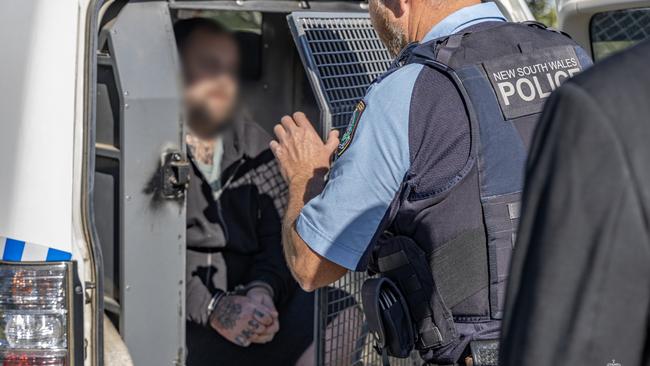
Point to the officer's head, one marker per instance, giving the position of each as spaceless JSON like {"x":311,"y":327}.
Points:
{"x":399,"y":22}
{"x":210,"y":58}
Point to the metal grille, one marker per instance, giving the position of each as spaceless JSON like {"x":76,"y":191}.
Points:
{"x":614,"y":31}
{"x":341,"y":329}
{"x":342,"y":56}
{"x":624,"y":25}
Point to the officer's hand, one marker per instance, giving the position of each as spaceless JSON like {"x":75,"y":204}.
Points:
{"x":300,"y":150}
{"x":261,"y":295}
{"x":239,"y":319}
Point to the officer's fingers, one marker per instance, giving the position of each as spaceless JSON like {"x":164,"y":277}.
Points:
{"x":302,"y":120}
{"x":262,"y":316}
{"x":288,"y":123}
{"x":280,"y":133}
{"x":332,"y":141}
{"x":276,"y":149}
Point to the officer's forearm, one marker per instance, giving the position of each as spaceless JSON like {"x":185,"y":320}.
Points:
{"x":308,"y":268}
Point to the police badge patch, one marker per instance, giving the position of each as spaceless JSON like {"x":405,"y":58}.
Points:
{"x":347,"y":137}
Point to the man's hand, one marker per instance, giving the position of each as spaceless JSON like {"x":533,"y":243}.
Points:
{"x":261,"y":295}
{"x":240,"y":320}
{"x":304,"y":161}
{"x":300,"y":151}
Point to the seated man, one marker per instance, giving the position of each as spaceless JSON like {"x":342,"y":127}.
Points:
{"x":243,"y":306}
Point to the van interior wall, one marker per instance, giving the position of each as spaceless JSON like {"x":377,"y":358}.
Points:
{"x":282,"y":87}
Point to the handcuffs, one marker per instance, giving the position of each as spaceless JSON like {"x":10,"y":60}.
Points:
{"x":240,"y":290}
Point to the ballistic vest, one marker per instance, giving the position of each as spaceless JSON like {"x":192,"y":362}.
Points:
{"x":448,"y":251}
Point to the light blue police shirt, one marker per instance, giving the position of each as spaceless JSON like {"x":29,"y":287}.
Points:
{"x":340,"y":223}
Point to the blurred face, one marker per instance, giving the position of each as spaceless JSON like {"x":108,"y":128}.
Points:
{"x":211,"y":67}
{"x":387,"y":19}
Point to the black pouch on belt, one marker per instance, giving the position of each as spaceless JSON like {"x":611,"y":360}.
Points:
{"x":388,"y":318}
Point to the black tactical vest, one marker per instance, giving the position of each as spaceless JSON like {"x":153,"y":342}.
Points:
{"x":449,"y":251}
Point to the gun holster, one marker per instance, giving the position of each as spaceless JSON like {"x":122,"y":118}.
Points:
{"x":388,"y":318}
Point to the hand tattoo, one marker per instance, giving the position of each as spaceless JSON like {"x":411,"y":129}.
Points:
{"x":254,"y":324}
{"x":240,"y":340}
{"x":227,"y":313}
{"x":247,"y":333}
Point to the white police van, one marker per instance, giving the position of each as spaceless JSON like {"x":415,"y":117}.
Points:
{"x":92,"y":220}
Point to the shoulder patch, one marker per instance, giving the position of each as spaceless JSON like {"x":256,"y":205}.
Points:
{"x":346,"y":140}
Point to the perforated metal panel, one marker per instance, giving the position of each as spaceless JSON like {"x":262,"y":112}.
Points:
{"x":342,"y":56}
{"x":341,"y":329}
{"x":614,"y":31}
{"x":622,"y":25}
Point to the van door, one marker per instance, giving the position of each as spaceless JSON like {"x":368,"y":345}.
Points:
{"x":605,"y":26}
{"x":139,"y":181}
{"x":342,"y":55}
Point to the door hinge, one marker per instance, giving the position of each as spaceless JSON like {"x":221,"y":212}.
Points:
{"x":175,"y":175}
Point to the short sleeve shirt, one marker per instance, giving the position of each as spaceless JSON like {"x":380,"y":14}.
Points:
{"x":340,"y":223}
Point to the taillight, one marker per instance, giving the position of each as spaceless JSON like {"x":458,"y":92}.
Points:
{"x":35,"y":314}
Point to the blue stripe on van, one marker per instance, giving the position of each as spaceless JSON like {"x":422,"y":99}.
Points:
{"x":13,"y":250}
{"x":55,"y":255}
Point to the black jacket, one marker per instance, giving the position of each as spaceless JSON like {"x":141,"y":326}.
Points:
{"x":243,"y":227}
{"x":579,"y":290}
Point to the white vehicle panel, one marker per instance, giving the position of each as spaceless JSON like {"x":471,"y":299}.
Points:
{"x":38,"y":39}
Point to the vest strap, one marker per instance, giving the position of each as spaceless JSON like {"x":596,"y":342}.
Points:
{"x":393,"y":261}
{"x":429,"y":334}
{"x":448,"y":50}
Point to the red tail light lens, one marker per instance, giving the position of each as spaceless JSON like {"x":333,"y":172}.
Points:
{"x":30,"y":358}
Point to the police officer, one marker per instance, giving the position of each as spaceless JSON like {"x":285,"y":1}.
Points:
{"x":426,"y":186}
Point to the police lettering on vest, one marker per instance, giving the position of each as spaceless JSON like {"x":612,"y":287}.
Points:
{"x":523,"y":82}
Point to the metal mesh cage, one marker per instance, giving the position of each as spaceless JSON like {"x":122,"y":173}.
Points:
{"x":341,"y":329}
{"x":622,"y":25}
{"x":342,"y":56}
{"x":615,"y":31}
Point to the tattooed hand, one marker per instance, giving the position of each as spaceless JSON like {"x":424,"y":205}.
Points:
{"x":240,"y":320}
{"x":261,"y":295}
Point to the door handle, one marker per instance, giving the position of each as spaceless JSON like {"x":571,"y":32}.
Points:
{"x":175,"y":175}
